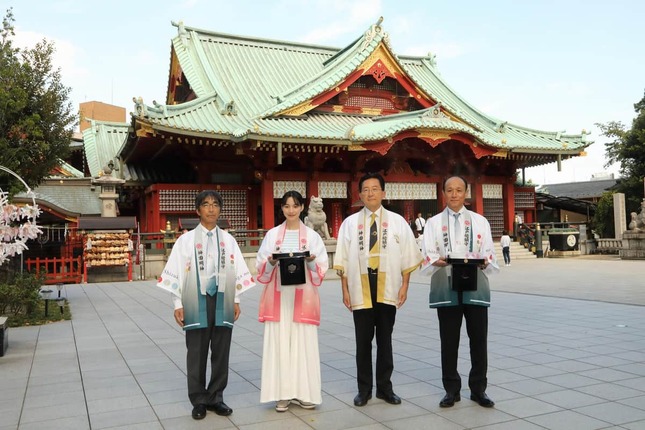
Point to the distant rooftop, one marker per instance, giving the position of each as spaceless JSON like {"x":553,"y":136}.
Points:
{"x":578,"y":190}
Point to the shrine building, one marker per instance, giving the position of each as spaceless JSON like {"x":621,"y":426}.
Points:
{"x":254,"y":118}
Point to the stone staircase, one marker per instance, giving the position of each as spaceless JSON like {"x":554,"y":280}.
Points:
{"x":518,"y":252}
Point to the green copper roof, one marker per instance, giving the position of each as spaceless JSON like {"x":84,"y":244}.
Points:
{"x":68,"y":171}
{"x":102,"y":141}
{"x":243,"y":84}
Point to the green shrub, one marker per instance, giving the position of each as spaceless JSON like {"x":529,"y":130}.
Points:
{"x":20,"y":295}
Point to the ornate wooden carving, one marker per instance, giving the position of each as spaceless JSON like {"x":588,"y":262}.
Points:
{"x":379,"y":71}
{"x":381,"y":146}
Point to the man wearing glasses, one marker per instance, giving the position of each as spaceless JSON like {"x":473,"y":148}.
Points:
{"x":205,"y":274}
{"x":375,"y":254}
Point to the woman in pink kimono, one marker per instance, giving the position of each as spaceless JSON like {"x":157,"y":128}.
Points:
{"x":291,"y":313}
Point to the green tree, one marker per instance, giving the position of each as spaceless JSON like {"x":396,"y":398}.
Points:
{"x":603,"y":220}
{"x":627,"y":147}
{"x":36,"y":116}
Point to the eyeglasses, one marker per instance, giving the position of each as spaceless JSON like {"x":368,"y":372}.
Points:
{"x":371,"y":190}
{"x":209,"y":205}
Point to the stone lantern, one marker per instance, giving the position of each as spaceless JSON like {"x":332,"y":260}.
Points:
{"x":108,"y":194}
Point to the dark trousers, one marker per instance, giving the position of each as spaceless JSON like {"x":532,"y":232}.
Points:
{"x":450,"y":318}
{"x":506,"y":252}
{"x":198,"y":342}
{"x":380,"y":320}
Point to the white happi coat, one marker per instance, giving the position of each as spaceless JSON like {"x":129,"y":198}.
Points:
{"x":435,"y":246}
{"x":181,"y":276}
{"x":398,"y":254}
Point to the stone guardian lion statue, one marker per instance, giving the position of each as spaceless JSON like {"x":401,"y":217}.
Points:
{"x":638,"y":220}
{"x":316,"y":218}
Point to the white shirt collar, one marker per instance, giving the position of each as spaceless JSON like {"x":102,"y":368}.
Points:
{"x":461,"y":211}
{"x":369,"y":213}
{"x":205,"y":230}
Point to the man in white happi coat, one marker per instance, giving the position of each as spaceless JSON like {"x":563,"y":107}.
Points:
{"x":375,"y":254}
{"x":206,"y":273}
{"x":460,"y":233}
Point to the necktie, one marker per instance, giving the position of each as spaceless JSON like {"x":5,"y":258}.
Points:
{"x":211,"y":286}
{"x":458,"y":238}
{"x":373,"y":261}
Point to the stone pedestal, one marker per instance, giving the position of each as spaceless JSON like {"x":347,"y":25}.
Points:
{"x":563,"y":254}
{"x":633,"y":245}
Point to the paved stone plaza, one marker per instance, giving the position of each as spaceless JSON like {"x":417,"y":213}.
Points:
{"x":566,"y":351}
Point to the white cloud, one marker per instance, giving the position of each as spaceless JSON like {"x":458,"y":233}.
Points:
{"x":67,"y":56}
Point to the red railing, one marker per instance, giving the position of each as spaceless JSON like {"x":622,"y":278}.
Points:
{"x":57,"y":270}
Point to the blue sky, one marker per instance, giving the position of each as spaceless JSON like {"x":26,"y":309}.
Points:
{"x":548,"y":65}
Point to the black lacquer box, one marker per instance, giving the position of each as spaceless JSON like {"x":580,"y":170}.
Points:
{"x":464,"y":273}
{"x":292,"y":267}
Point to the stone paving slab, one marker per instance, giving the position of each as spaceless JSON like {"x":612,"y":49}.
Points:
{"x":566,"y":351}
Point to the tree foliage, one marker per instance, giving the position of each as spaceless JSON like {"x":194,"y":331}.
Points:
{"x":36,"y":116}
{"x":627,"y":147}
{"x":603,"y":220}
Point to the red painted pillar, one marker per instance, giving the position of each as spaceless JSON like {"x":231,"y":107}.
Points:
{"x":336,"y":217}
{"x":441,"y":201}
{"x":312,"y":189}
{"x":477,"y":198}
{"x":354,"y":196}
{"x":268,"y":221}
{"x":408,"y":210}
{"x":509,"y":205}
{"x":154,"y":222}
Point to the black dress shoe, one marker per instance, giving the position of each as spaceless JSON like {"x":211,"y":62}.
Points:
{"x":199,"y":412}
{"x":391,"y":398}
{"x":482,"y":399}
{"x":220,"y":408}
{"x":362,"y":398}
{"x":449,"y":400}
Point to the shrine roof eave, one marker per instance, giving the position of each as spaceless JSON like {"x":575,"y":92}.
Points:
{"x":387,"y":127}
{"x":423,"y":72}
{"x":571,"y":152}
{"x":166,"y":130}
{"x":363,"y":133}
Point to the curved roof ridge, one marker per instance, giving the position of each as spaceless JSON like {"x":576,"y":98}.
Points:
{"x":334,"y":72}
{"x":403,"y":115}
{"x":164,"y":110}
{"x":446,"y":104}
{"x":277,"y":42}
{"x":382,"y":130}
{"x":492,"y":121}
{"x":561,"y":133}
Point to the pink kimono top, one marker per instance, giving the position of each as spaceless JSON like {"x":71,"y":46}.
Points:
{"x":307,"y":301}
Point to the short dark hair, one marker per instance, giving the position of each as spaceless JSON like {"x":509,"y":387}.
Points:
{"x":367,"y":176}
{"x":295,"y":195}
{"x":443,"y":185}
{"x":199,"y":198}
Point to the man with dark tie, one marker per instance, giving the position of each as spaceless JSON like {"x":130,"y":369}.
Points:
{"x":375,"y":254}
{"x":459,"y":233}
{"x":205,"y":274}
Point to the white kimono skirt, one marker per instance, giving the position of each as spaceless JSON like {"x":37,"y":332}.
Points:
{"x":290,"y":357}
